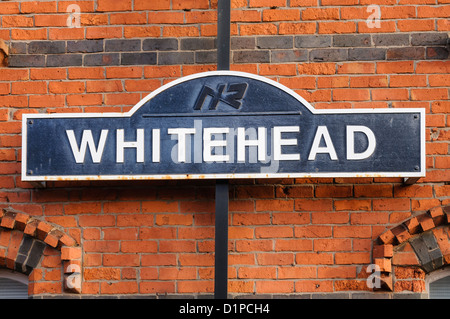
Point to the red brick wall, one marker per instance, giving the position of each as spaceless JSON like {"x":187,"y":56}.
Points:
{"x":287,"y":236}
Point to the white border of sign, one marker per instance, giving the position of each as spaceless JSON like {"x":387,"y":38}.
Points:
{"x":26,"y":117}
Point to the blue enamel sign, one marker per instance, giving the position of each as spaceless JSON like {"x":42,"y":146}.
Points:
{"x":223,"y":124}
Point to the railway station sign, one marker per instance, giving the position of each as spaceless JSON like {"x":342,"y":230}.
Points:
{"x":223,"y":125}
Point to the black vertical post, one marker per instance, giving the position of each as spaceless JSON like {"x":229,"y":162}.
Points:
{"x":223,"y":34}
{"x":221,"y":219}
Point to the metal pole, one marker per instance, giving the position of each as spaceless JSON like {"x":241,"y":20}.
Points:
{"x":221,"y":241}
{"x":223,"y":34}
{"x":221,"y":219}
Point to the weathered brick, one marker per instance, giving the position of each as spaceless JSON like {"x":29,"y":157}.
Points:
{"x":427,"y":251}
{"x":280,"y":56}
{"x":47,"y":47}
{"x":427,"y":39}
{"x":352,"y":40}
{"x":385,"y":251}
{"x":395,"y":40}
{"x":274,"y":42}
{"x":157,"y":44}
{"x":205,"y":57}
{"x":312,"y":41}
{"x":328,"y":55}
{"x":261,"y":56}
{"x":242,"y":43}
{"x":193,"y":44}
{"x":407,"y":53}
{"x":64,"y":60}
{"x":30,"y":60}
{"x":98,"y":59}
{"x":121,"y":45}
{"x":85,"y":46}
{"x":18,"y":48}
{"x":366,"y":54}
{"x":174,"y":58}
{"x":437,"y":53}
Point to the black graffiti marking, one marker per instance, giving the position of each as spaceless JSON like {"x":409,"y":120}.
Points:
{"x":233,"y":96}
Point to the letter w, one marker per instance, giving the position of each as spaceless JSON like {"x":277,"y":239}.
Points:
{"x":87,"y":140}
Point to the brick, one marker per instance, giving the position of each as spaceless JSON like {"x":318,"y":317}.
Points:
{"x":406,"y":80}
{"x":267,"y":3}
{"x":437,"y":53}
{"x":426,"y":222}
{"x":429,"y":94}
{"x":9,"y":8}
{"x":352,"y":232}
{"x":50,"y":20}
{"x":160,"y":44}
{"x":38,"y":7}
{"x":415,"y":25}
{"x":180,"y":31}
{"x":102,"y":59}
{"x":366,"y":54}
{"x":261,"y":56}
{"x":385,"y":27}
{"x":438,"y":216}
{"x":122,"y":45}
{"x":190,"y":4}
{"x":48,"y":74}
{"x":193,"y":44}
{"x":85,"y":46}
{"x":356,"y":68}
{"x":395,"y":67}
{"x":47,"y":47}
{"x":65,"y":33}
{"x":351,"y":95}
{"x":281,"y":15}
{"x":64,"y":60}
{"x":205,"y":57}
{"x":241,"y":16}
{"x":369,"y":81}
{"x":336,"y":27}
{"x":383,"y":251}
{"x":242,"y":43}
{"x":390,"y":94}
{"x":433,"y":67}
{"x":86,"y":73}
{"x":328,"y":55}
{"x":153,"y":5}
{"x":312,"y":41}
{"x":29,"y":88}
{"x":174,"y":58}
{"x":103,"y":32}
{"x":426,"y":39}
{"x":111,"y":5}
{"x":16,"y":21}
{"x":274,"y":205}
{"x":388,"y":40}
{"x":274,"y":42}
{"x":408,"y":53}
{"x":141,"y":32}
{"x":66,"y":87}
{"x":354,"y":40}
{"x":283,"y":56}
{"x":295,"y":28}
{"x":31,"y":60}
{"x":352,"y":258}
{"x":384,"y":264}
{"x":128,"y":18}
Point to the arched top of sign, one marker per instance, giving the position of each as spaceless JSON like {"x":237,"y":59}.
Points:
{"x":222,"y":93}
{"x":223,"y":124}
